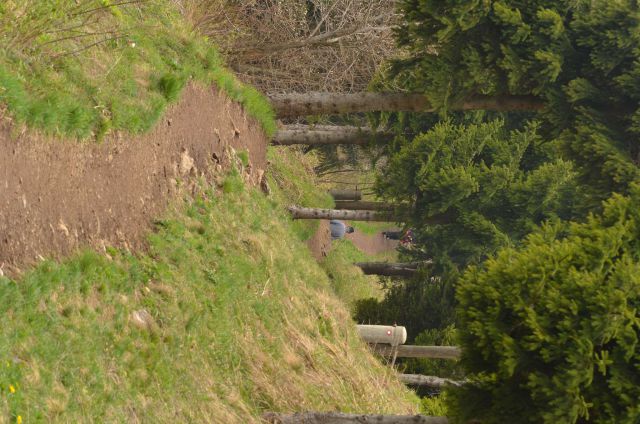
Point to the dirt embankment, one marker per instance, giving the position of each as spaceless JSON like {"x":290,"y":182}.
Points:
{"x":59,"y":195}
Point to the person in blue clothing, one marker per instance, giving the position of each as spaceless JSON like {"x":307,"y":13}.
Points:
{"x":339,"y":229}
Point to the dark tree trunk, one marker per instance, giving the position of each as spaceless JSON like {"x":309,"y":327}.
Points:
{"x":296,"y":104}
{"x":346,"y":194}
{"x":361,"y":205}
{"x":430,"y":352}
{"x":340,"y":418}
{"x":391,"y":269}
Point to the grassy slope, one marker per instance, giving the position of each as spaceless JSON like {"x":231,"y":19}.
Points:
{"x":243,"y":321}
{"x":83,"y":68}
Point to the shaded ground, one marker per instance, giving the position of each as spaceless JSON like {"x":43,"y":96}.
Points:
{"x":374,"y":244}
{"x":59,"y":195}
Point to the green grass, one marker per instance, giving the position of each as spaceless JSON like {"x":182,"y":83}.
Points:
{"x":293,"y":180}
{"x":348,"y":281}
{"x":242,"y":320}
{"x":59,"y":75}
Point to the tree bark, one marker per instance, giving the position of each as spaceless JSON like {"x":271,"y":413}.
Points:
{"x":340,"y":418}
{"x":296,"y":104}
{"x":431,"y":352}
{"x":298,"y":212}
{"x":323,"y":135}
{"x":346,"y":194}
{"x":427,"y":381}
{"x":390,"y":269}
{"x":361,"y":205}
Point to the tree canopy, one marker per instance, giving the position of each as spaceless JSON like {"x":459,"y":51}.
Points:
{"x":582,"y":57}
{"x":486,"y":187}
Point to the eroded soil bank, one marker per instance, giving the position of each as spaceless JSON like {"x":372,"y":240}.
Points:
{"x":59,"y":195}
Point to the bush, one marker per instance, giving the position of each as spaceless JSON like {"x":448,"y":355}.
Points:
{"x":550,"y":331}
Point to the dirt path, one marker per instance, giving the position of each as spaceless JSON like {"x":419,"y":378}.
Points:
{"x":372,"y":244}
{"x":320,"y":243}
{"x":59,"y":195}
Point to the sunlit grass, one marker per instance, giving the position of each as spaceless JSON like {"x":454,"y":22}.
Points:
{"x":226,"y":316}
{"x":82,"y":69}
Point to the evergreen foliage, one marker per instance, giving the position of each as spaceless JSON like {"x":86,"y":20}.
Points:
{"x":489,"y":187}
{"x":550,"y":332}
{"x":582,"y":57}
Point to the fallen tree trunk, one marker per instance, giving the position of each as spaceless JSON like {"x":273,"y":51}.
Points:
{"x":346,"y":194}
{"x":304,"y":104}
{"x":359,"y":205}
{"x":340,"y":418}
{"x":390,"y":269}
{"x":322,"y":135}
{"x":298,"y":212}
{"x":408,"y":351}
{"x":427,"y":381}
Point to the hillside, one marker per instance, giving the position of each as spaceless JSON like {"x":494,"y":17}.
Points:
{"x":226,"y":316}
{"x":143,"y":275}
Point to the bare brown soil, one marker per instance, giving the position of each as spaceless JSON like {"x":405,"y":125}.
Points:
{"x":60,"y":195}
{"x":372,"y":244}
{"x":320,"y":242}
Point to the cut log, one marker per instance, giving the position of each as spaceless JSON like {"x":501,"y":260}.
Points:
{"x":393,"y":335}
{"x":346,"y":194}
{"x":298,"y":212}
{"x":362,"y":205}
{"x":391,"y":269}
{"x":427,"y":381}
{"x":304,"y":104}
{"x":340,"y":418}
{"x":321,"y":135}
{"x":431,"y":352}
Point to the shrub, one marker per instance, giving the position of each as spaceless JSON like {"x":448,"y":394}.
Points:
{"x":550,"y":331}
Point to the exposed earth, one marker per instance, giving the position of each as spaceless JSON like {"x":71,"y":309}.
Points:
{"x":59,"y":195}
{"x":320,"y":243}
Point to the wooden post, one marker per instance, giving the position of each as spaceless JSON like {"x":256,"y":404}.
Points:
{"x":340,"y":418}
{"x":431,"y":352}
{"x":346,"y":194}
{"x":389,"y":334}
{"x":361,"y":205}
{"x":298,"y":212}
{"x":391,"y":269}
{"x":427,"y":381}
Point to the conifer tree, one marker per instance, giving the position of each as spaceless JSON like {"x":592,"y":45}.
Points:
{"x":494,"y":185}
{"x":550,"y":332}
{"x":581,"y":57}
